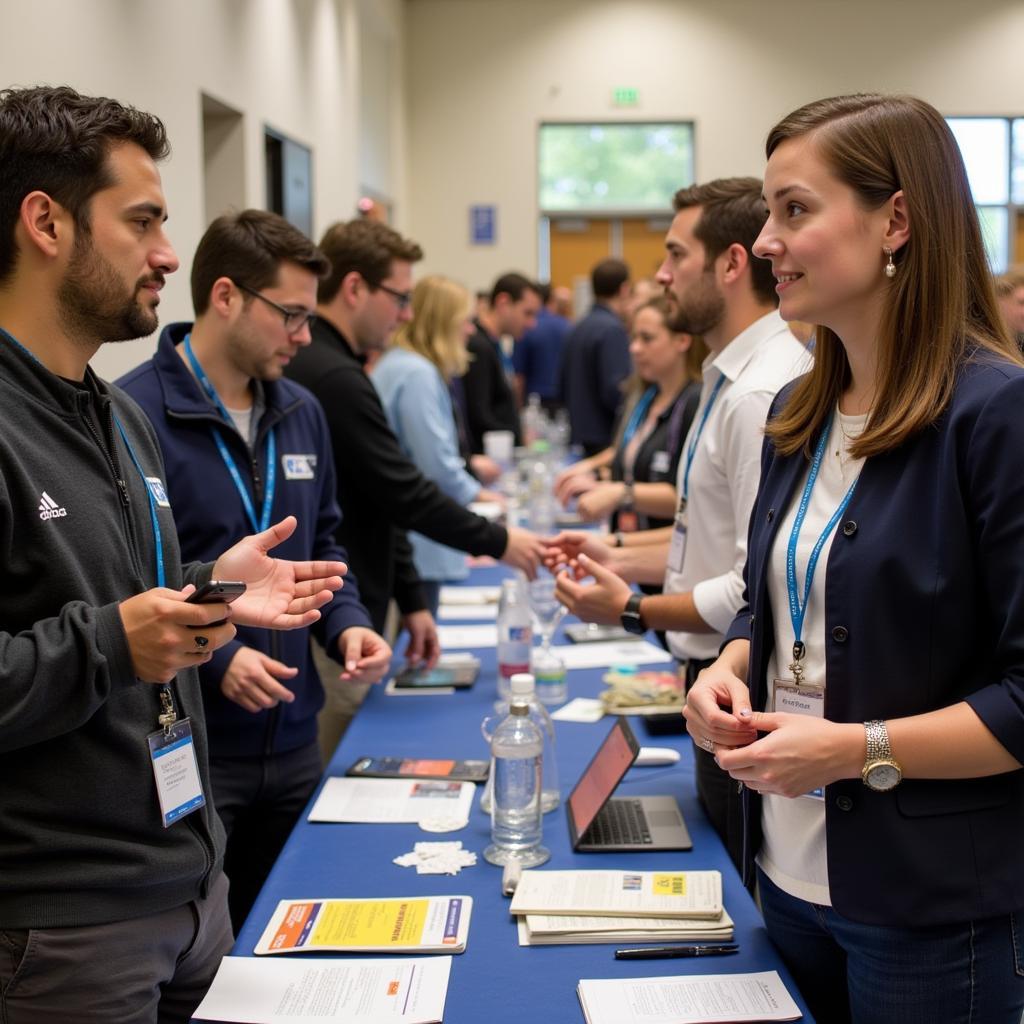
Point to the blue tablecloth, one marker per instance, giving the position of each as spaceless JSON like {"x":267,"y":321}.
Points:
{"x":496,"y":981}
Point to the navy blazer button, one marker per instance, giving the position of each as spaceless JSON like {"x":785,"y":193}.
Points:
{"x":844,"y":803}
{"x":840,"y":634}
{"x":849,"y":528}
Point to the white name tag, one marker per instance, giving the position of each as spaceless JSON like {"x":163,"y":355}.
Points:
{"x":660,"y":462}
{"x":178,"y":787}
{"x":299,"y":467}
{"x":677,"y":546}
{"x":806,"y":700}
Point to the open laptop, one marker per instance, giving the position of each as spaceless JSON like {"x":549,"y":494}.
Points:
{"x":598,"y":821}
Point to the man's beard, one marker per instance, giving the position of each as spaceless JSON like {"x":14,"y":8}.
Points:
{"x":699,"y":311}
{"x":93,"y":302}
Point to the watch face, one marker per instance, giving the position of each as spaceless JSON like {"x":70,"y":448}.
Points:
{"x":883,"y":776}
{"x":631,"y":622}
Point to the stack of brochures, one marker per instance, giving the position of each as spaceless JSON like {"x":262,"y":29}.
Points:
{"x":569,"y":907}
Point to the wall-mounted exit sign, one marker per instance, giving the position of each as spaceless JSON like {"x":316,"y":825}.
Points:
{"x":625,"y":96}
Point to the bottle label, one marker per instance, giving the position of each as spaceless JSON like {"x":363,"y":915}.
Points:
{"x":509,"y":669}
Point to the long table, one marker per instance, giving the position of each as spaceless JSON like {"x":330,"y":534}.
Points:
{"x":497,"y":981}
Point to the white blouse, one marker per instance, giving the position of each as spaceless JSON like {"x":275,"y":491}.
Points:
{"x":793,"y":853}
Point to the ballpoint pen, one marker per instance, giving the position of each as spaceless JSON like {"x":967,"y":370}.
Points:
{"x":667,"y":952}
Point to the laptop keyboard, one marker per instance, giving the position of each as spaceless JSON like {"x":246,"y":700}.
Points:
{"x":620,"y":822}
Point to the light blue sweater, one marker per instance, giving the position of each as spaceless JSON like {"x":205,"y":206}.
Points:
{"x":419,"y":409}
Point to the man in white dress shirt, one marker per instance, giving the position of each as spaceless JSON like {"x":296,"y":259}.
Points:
{"x":720,"y":291}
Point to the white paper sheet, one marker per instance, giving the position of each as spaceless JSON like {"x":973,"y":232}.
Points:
{"x":481,"y":612}
{"x":467,"y":637}
{"x":580,"y":709}
{"x":470,"y":595}
{"x":693,"y":999}
{"x":606,"y":653}
{"x":315,"y":991}
{"x":392,"y":800}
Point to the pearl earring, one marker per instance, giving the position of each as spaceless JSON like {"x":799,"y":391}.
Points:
{"x":890,"y":267}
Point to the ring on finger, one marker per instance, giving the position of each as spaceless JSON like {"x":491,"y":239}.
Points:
{"x":708,"y":744}
{"x":200,"y":640}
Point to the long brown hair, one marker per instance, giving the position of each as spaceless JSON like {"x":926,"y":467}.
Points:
{"x":940,"y":305}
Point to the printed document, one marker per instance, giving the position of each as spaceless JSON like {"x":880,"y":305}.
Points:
{"x":620,"y":893}
{"x":605,"y":653}
{"x":470,"y":595}
{"x":693,"y":999}
{"x":545,"y":930}
{"x":466,"y":637}
{"x":250,"y":991}
{"x":403,"y":924}
{"x":392,"y":800}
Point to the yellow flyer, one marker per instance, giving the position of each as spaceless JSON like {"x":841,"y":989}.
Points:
{"x":415,"y":924}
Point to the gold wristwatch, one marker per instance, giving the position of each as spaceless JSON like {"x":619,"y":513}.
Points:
{"x":881,"y":772}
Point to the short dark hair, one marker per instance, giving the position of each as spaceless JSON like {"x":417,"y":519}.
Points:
{"x":544,"y":291}
{"x":365,"y":246}
{"x":249,"y":247}
{"x":55,"y":140}
{"x":732,"y":213}
{"x":513,"y":285}
{"x":608,"y":277}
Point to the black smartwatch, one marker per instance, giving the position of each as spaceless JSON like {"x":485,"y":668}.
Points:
{"x":631,"y":619}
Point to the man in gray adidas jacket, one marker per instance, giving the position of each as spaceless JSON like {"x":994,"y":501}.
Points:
{"x":112,"y":898}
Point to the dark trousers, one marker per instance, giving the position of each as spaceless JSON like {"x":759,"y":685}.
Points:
{"x":259,"y":800}
{"x":719,"y":794}
{"x":853,"y":973}
{"x":149,"y":970}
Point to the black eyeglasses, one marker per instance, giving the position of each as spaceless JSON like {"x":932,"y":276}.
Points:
{"x":294,"y":319}
{"x":402,"y":299}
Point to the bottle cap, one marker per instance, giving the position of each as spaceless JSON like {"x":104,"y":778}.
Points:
{"x":522,"y":684}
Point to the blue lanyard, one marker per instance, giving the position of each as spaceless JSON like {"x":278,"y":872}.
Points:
{"x":638,"y":415}
{"x":691,"y":449}
{"x":270,"y":473}
{"x":161,"y":575}
{"x":796,"y":609}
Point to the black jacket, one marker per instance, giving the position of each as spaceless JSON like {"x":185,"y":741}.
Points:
{"x":81,"y":836}
{"x":490,"y":404}
{"x":380,"y":491}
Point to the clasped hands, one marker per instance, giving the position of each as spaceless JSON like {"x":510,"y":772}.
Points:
{"x":769,"y":752}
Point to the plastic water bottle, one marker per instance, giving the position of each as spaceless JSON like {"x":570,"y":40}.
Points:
{"x":550,"y":791}
{"x":515,"y":635}
{"x":550,"y":677}
{"x":516,"y":763}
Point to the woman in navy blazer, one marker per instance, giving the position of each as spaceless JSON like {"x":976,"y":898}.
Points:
{"x":885,"y":804}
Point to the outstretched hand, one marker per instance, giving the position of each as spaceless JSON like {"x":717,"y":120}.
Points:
{"x":280,"y":594}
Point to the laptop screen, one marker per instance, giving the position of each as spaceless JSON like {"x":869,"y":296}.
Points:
{"x":602,"y":775}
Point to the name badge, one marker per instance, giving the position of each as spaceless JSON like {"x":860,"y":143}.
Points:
{"x":677,"y":546}
{"x":807,"y":699}
{"x":660,"y":462}
{"x":176,"y":771}
{"x":299,"y":467}
{"x":159,"y":492}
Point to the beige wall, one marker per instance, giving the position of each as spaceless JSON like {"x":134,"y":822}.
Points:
{"x":291,"y":64}
{"x":481,"y":74}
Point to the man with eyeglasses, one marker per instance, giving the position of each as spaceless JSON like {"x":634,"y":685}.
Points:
{"x":381,"y":492}
{"x":241,"y":445}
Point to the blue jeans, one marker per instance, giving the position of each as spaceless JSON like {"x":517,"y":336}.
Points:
{"x":971,"y":973}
